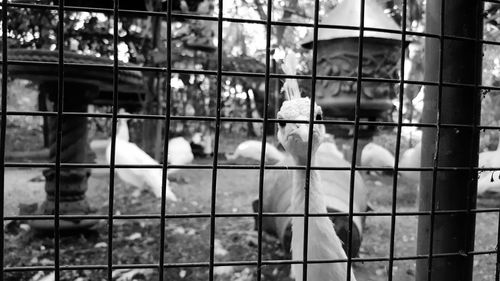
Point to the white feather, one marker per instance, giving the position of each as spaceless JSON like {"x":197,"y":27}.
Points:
{"x":323,"y":242}
{"x":122,"y":127}
{"x":486,"y":158}
{"x":329,"y":145}
{"x":127,"y":153}
{"x":252,"y":149}
{"x":376,"y":156}
{"x":488,"y":181}
{"x":290,"y":87}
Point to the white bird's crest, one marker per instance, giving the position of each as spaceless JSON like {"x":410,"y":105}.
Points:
{"x":289,"y":66}
{"x":294,"y":105}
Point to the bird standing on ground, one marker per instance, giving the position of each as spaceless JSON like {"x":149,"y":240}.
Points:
{"x":488,"y":181}
{"x":323,"y":243}
{"x":179,"y":152}
{"x":127,"y":153}
{"x":376,"y":156}
{"x":252,"y":149}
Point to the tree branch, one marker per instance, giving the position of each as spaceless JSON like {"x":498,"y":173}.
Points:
{"x":259,"y":7}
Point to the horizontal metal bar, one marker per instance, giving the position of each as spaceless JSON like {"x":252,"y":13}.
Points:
{"x":359,"y":78}
{"x":239,"y":263}
{"x":252,"y":215}
{"x":257,"y":75}
{"x":241,"y":119}
{"x":243,"y":167}
{"x":194,"y":16}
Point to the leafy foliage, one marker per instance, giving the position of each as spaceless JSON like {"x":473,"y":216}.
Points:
{"x":142,"y":41}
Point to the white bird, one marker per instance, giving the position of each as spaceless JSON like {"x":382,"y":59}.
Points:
{"x":127,"y":153}
{"x":323,"y":242}
{"x":376,"y":156}
{"x":489,"y":181}
{"x":411,"y":159}
{"x":252,"y":149}
{"x":179,"y":152}
{"x":122,"y":129}
{"x":490,"y":158}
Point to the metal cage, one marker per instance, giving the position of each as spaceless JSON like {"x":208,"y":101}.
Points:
{"x":460,"y":259}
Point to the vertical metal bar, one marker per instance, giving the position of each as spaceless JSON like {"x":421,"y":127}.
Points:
{"x":3,"y":127}
{"x":435,"y":163}
{"x":59,"y":135}
{"x":398,"y":142}
{"x":165,"y":143}
{"x":497,"y":267}
{"x":111,"y":194}
{"x":309,"y":137}
{"x":216,"y":141}
{"x":359,"y":84}
{"x":453,"y":233}
{"x":264,"y":137}
{"x":471,"y":189}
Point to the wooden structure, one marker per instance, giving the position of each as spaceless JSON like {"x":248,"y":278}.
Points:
{"x":338,"y":56}
{"x":89,"y":83}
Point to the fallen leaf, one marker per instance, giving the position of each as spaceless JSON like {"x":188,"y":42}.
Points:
{"x":136,"y":193}
{"x":179,"y":230}
{"x":218,"y":249}
{"x":101,"y":245}
{"x":46,"y":262}
{"x":25,"y":227}
{"x":275,"y":272}
{"x":134,"y":236}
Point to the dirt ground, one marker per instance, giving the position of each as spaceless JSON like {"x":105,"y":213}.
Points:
{"x":187,"y":239}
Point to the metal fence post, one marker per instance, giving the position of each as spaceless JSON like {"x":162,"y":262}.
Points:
{"x":454,"y":106}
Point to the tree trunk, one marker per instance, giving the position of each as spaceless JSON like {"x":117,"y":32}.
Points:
{"x":280,"y":29}
{"x":150,"y":127}
{"x":251,"y":129}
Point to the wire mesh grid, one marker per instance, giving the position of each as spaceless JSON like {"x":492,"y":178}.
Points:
{"x":215,"y":166}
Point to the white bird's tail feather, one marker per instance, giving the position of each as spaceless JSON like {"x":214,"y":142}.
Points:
{"x":154,"y":181}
